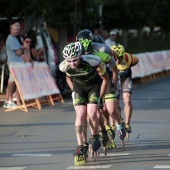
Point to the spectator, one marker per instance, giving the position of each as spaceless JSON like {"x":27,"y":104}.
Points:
{"x":26,"y":56}
{"x":3,"y":57}
{"x":36,"y":54}
{"x":112,"y":38}
{"x":14,"y":52}
{"x":104,"y":34}
{"x":3,"y":60}
{"x":20,"y":36}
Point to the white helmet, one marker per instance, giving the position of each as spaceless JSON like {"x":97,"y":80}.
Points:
{"x":72,"y":50}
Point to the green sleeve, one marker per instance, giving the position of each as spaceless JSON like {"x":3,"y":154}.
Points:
{"x":105,"y":58}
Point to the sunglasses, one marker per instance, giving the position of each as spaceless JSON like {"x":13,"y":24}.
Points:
{"x":72,"y":61}
{"x":28,"y":42}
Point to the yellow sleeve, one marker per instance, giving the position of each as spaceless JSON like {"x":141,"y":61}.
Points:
{"x":101,"y":70}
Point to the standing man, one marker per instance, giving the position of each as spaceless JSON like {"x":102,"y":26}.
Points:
{"x":83,"y":75}
{"x":14,"y":52}
{"x":112,"y":38}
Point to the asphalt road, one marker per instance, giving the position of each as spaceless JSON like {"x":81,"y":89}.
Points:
{"x":45,"y":139}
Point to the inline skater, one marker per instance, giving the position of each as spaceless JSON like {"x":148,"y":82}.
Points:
{"x":83,"y":75}
{"x":98,"y":45}
{"x":110,"y":97}
{"x":124,"y":62}
{"x":84,"y":34}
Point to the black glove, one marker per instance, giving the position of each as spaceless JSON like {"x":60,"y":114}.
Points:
{"x":100,"y":103}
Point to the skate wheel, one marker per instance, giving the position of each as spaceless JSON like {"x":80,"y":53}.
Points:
{"x":123,"y":145}
{"x":76,"y":161}
{"x":79,"y":160}
{"x":113,"y":145}
{"x":105,"y":150}
{"x":95,"y":154}
{"x":91,"y":153}
{"x":127,"y":136}
{"x":98,"y":154}
{"x":86,"y":157}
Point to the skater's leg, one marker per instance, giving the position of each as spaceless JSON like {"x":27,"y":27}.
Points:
{"x":80,"y":123}
{"x":94,"y":123}
{"x":85,"y":131}
{"x":127,"y":110}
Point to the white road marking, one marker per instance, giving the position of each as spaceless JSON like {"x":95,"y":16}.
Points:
{"x":168,"y":154}
{"x":162,"y":166}
{"x":114,"y":154}
{"x":90,"y":167}
{"x":12,"y":168}
{"x":32,"y":155}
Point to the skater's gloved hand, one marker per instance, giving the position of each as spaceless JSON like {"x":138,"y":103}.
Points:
{"x":100,"y":103}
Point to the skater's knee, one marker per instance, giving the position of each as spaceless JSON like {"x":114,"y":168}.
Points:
{"x":119,"y":108}
{"x":93,"y":117}
{"x":80,"y":129}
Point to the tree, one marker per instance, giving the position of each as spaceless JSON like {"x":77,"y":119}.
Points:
{"x":70,"y":16}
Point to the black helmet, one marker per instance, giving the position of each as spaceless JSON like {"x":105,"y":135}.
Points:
{"x":84,"y":34}
{"x":98,"y":39}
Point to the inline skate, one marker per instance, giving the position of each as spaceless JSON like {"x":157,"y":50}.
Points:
{"x":94,"y":145}
{"x":128,"y":130}
{"x":104,"y":140}
{"x":80,"y":156}
{"x":121,"y":134}
{"x":111,"y":134}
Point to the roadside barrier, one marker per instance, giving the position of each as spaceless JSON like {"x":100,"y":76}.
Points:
{"x":151,"y":65}
{"x":34,"y":83}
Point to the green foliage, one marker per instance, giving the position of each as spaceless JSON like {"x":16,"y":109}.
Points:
{"x":12,"y":8}
{"x":163,"y":10}
{"x":74,"y":15}
{"x":122,"y":14}
{"x":60,"y":14}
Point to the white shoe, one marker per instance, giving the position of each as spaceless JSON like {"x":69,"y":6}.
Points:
{"x":9,"y":105}
{"x":5,"y":104}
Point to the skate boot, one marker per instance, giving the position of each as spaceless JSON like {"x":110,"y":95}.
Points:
{"x":104,"y":139}
{"x":122,"y":122}
{"x":121,"y":134}
{"x":95,"y":143}
{"x":128,"y":130}
{"x":79,"y":158}
{"x":113,"y":128}
{"x":90,"y":147}
{"x":111,"y":134}
{"x":86,"y":148}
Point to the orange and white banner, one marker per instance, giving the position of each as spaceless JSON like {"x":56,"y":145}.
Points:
{"x":34,"y":82}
